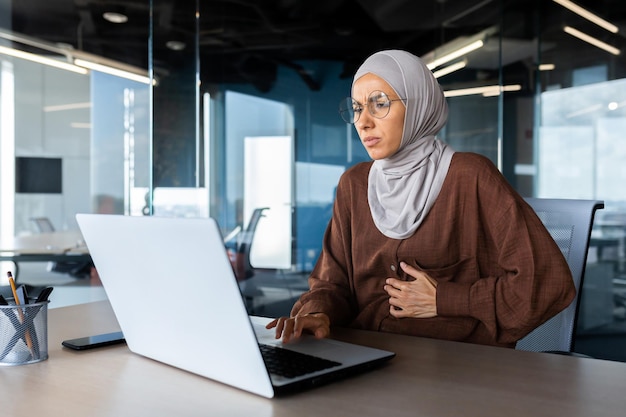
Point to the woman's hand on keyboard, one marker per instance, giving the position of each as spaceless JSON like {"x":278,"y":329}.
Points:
{"x":289,"y":328}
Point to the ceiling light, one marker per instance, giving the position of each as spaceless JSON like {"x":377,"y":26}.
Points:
{"x":450,"y":68}
{"x":80,"y":125}
{"x":455,"y":54}
{"x":42,"y":60}
{"x":591,"y":40}
{"x":504,"y":88}
{"x":70,"y":106}
{"x":457,"y":48}
{"x":546,"y":67}
{"x":175,"y":45}
{"x":83,"y":61}
{"x":113,"y":71}
{"x":487,"y":90}
{"x":115,"y":17}
{"x":588,"y":15}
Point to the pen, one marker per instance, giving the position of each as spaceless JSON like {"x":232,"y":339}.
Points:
{"x":29,"y":341}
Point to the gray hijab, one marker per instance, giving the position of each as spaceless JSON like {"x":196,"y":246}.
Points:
{"x":403,"y":187}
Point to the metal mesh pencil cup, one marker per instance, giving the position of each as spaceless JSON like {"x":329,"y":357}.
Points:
{"x":23,"y":333}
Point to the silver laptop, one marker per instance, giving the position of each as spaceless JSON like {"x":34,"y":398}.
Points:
{"x":177,"y":301}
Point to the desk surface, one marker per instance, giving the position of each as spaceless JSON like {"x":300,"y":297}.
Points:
{"x":426,"y":378}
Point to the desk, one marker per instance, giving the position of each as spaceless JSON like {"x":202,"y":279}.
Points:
{"x":427,"y":378}
{"x":66,"y":246}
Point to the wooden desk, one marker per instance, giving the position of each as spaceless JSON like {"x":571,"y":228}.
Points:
{"x":427,"y":378}
{"x":65,"y":246}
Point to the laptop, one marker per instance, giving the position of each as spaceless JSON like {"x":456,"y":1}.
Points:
{"x":174,"y":293}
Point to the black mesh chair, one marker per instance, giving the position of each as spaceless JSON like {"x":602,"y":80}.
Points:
{"x":569,"y":222}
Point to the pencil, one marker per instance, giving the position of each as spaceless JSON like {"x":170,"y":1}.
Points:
{"x":29,"y":341}
{"x":13,"y":289}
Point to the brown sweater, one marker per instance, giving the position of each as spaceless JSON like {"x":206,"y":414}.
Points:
{"x":499,"y":272}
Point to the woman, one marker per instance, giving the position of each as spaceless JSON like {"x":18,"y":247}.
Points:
{"x":425,"y":241}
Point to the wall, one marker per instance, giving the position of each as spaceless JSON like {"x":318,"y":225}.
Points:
{"x":45,"y":131}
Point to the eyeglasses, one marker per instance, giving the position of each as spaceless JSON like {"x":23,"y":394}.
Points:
{"x":378,"y":104}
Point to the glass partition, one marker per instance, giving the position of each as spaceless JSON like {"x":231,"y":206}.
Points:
{"x":74,"y":138}
{"x":524,"y":88}
{"x":580,"y":153}
{"x":95,"y":125}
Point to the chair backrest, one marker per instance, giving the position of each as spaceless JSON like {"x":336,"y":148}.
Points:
{"x":244,"y":269}
{"x":569,"y":222}
{"x":42,"y":224}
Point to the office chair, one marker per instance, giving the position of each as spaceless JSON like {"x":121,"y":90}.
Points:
{"x":569,"y":223}
{"x":42,"y":224}
{"x":241,"y":262}
{"x":240,"y":258}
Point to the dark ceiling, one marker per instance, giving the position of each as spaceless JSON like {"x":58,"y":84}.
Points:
{"x":246,"y":40}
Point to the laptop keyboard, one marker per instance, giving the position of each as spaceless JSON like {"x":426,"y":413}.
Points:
{"x":290,"y":364}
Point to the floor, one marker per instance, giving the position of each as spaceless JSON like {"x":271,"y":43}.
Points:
{"x":271,"y":293}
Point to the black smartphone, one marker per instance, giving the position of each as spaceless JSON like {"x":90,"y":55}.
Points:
{"x":98,"y":340}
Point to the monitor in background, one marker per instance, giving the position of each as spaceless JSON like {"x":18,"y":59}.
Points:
{"x":38,"y":175}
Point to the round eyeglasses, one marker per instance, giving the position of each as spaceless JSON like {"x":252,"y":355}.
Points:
{"x":378,"y":104}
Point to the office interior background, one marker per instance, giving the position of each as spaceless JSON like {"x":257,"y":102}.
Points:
{"x":221,"y":107}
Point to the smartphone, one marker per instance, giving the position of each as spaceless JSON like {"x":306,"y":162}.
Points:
{"x":98,"y":340}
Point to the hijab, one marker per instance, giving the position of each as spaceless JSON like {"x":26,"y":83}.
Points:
{"x":403,"y":187}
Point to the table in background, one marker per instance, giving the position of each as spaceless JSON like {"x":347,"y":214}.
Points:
{"x":65,"y":246}
{"x":427,"y":378}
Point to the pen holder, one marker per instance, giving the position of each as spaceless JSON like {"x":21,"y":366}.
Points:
{"x":23,"y":333}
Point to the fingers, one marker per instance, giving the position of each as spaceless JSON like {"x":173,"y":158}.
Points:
{"x":323,"y":326}
{"x":393,"y":286}
{"x":409,"y":269}
{"x":285,"y":328}
{"x":289,"y":328}
{"x":279,"y":324}
{"x":417,"y":274}
{"x":412,"y":298}
{"x":396,"y":307}
{"x":396,"y":311}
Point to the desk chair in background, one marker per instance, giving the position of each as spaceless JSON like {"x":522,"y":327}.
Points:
{"x":239,"y":255}
{"x":243,"y":267}
{"x":80,"y":269}
{"x":42,"y":224}
{"x":569,"y":223}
